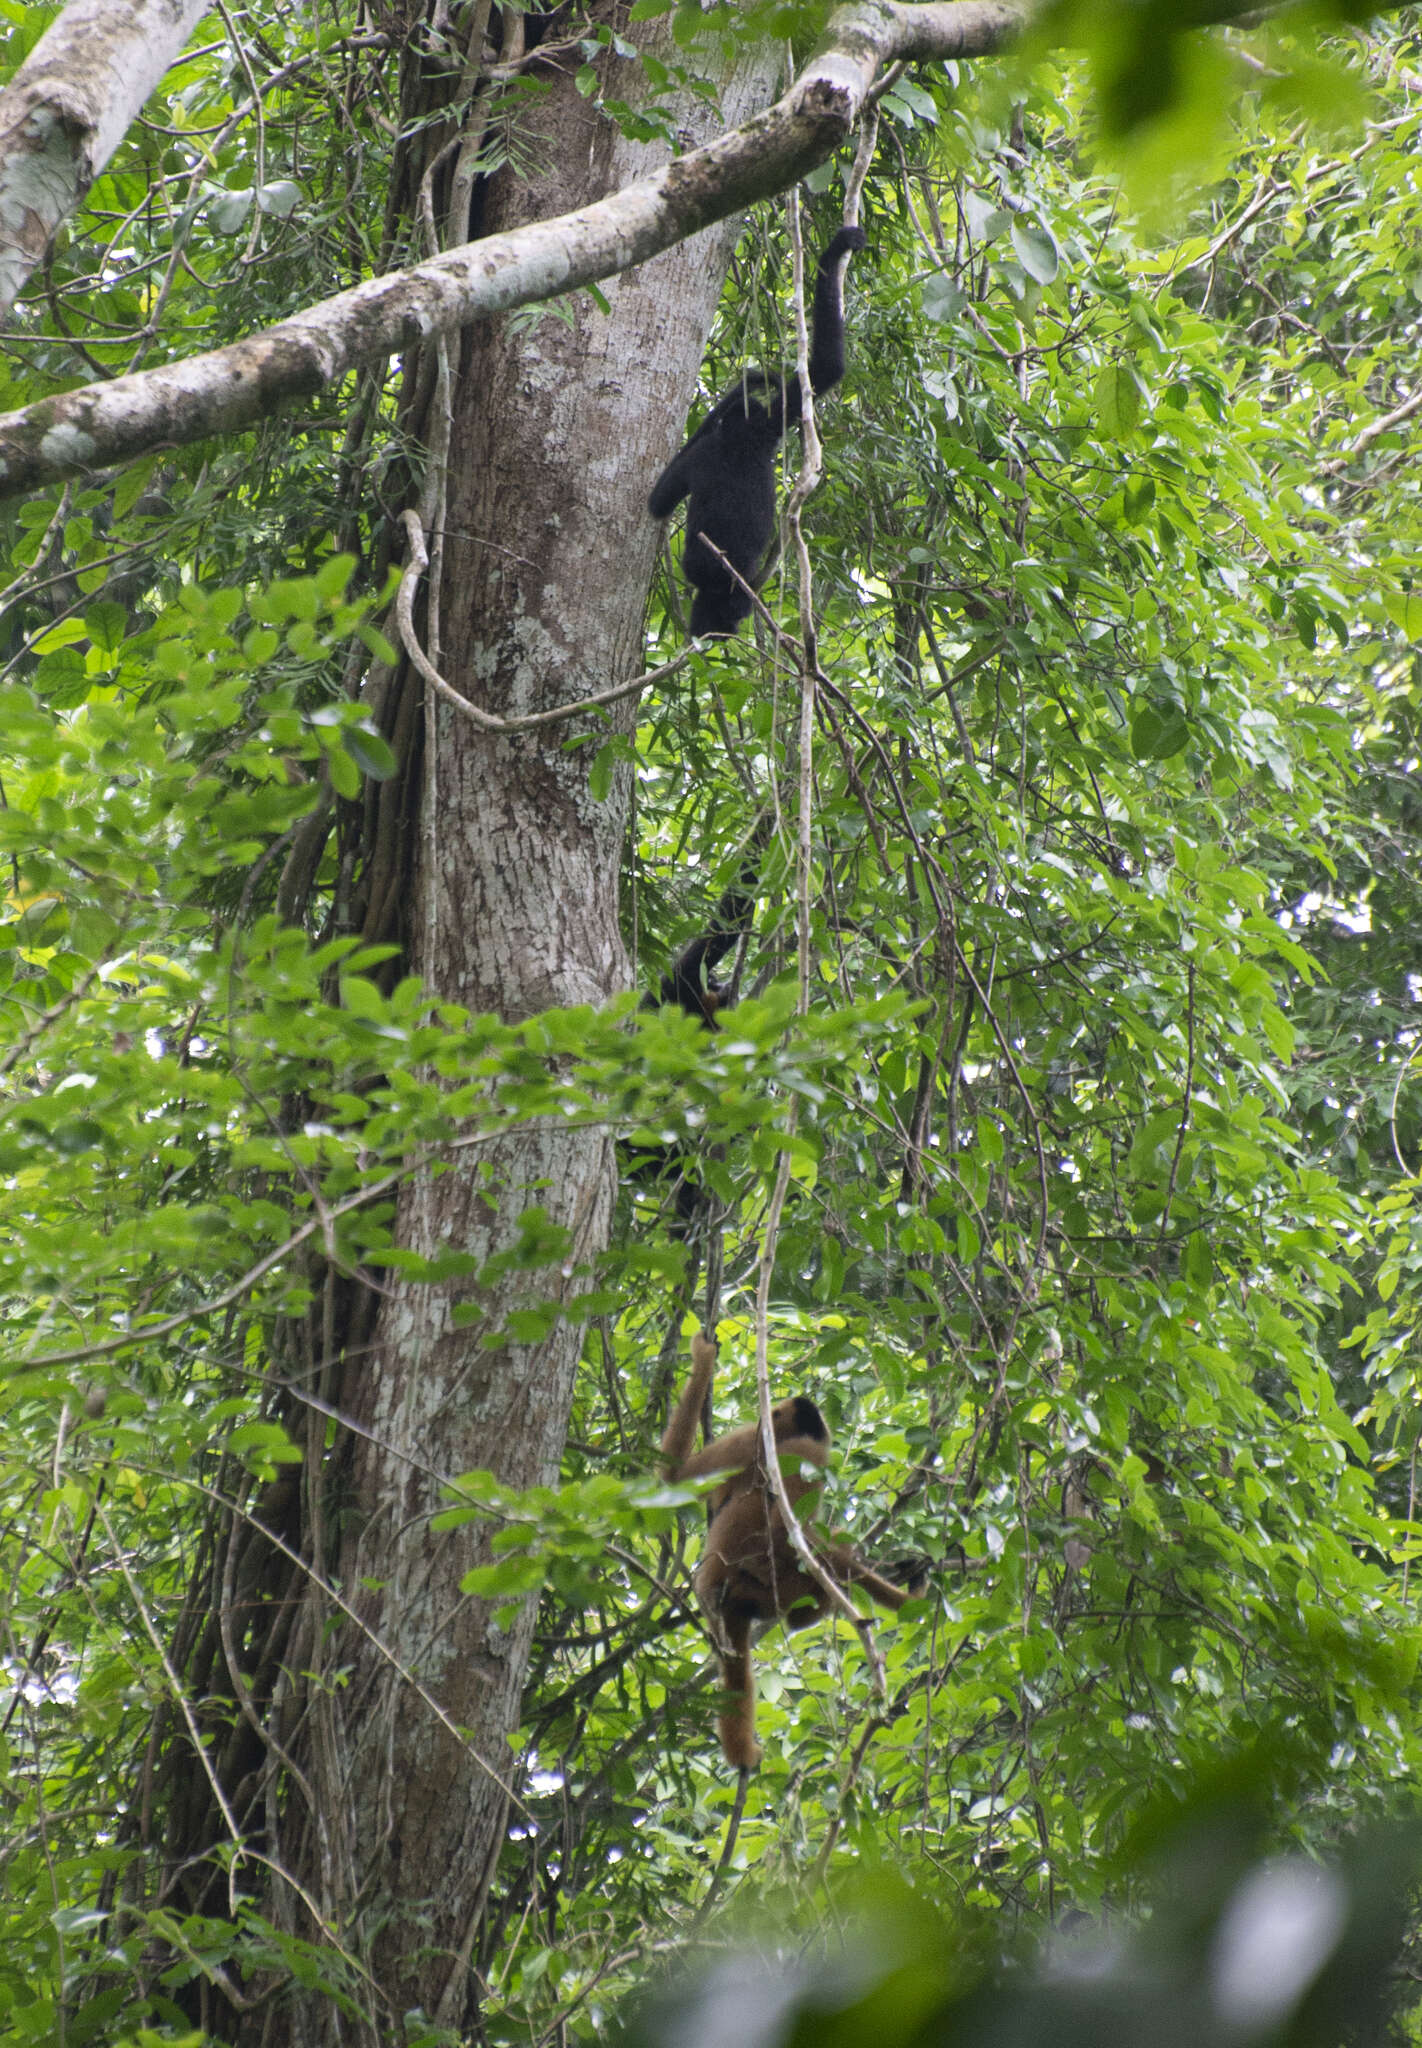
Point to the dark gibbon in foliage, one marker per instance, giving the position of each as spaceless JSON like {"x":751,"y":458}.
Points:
{"x":750,"y":1577}
{"x":689,"y":984}
{"x":727,"y":466}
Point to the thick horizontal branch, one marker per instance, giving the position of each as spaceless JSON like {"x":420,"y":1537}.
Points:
{"x":229,"y":388}
{"x":67,"y":109}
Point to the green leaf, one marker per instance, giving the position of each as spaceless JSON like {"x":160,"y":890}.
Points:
{"x":280,"y":198}
{"x":1037,"y":252}
{"x":1404,"y":608}
{"x":345,"y":772}
{"x":1139,"y":498}
{"x":371,"y":753}
{"x":942,"y":299}
{"x":228,"y":211}
{"x":1118,"y":400}
{"x":1158,"y":731}
{"x":1199,"y":1266}
{"x":603,"y":768}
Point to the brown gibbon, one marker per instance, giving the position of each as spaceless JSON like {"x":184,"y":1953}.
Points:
{"x":750,"y":1577}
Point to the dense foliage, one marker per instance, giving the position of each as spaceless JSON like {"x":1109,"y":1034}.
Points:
{"x":1099,"y":1252}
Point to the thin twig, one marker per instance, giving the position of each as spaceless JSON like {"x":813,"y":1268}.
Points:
{"x":864,"y":154}
{"x":733,"y":1828}
{"x":1186,"y":1103}
{"x":146,"y":1333}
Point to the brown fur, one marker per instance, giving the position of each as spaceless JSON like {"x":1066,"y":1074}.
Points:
{"x":750,"y":1574}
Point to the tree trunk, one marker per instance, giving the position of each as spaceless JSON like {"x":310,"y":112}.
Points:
{"x":558,"y":430}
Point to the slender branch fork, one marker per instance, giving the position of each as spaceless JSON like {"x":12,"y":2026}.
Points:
{"x":88,"y":430}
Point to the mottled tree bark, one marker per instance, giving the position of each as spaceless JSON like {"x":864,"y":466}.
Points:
{"x":558,"y":430}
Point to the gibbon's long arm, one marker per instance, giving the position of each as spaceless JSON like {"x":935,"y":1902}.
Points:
{"x":674,"y":482}
{"x":680,"y":1432}
{"x":738,"y":1451}
{"x":786,"y":401}
{"x":851,"y":1570}
{"x":687,"y":983}
{"x":827,"y":325}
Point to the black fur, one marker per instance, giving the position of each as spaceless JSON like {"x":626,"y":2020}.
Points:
{"x":727,"y":466}
{"x":809,"y":1421}
{"x":688,"y":985}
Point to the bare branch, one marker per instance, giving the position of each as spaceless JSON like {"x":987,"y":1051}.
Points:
{"x":1374,"y":428}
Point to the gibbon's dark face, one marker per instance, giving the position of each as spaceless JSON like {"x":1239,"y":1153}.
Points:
{"x":807,"y":1419}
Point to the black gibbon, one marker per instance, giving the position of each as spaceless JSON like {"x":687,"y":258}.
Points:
{"x":689,"y":984}
{"x":750,"y":1577}
{"x":728,"y":465}
{"x":524,"y":28}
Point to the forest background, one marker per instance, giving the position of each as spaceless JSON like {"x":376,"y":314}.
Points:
{"x":1064,"y":1142}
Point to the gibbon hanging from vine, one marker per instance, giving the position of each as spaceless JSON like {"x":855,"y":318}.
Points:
{"x":727,"y":466}
{"x":750,"y":1576}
